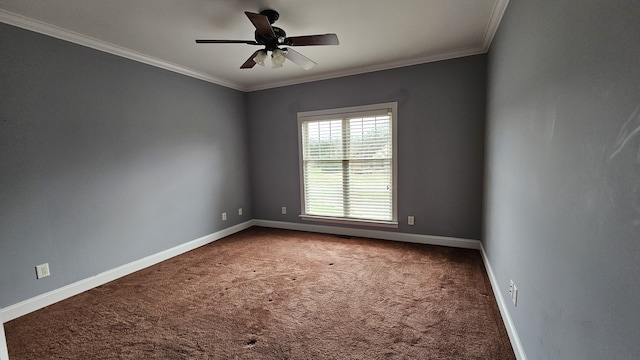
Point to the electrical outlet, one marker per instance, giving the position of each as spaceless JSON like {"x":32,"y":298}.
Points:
{"x":224,"y":216}
{"x":42,"y":271}
{"x":239,"y":211}
{"x":284,"y":210}
{"x":411,"y":220}
{"x":513,"y":291}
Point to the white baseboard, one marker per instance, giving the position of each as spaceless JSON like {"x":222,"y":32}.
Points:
{"x":373,"y":234}
{"x":4,"y":352}
{"x":504,"y":310}
{"x":51,"y":297}
{"x":38,"y":302}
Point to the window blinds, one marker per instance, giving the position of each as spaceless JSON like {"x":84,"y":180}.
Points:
{"x":347,"y":165}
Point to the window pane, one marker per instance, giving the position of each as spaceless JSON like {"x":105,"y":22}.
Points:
{"x":370,"y":138}
{"x":322,"y":140}
{"x":323,"y":188}
{"x":370,"y":194}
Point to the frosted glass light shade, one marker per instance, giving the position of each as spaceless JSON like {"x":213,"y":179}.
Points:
{"x":260,"y":56}
{"x":277,"y":58}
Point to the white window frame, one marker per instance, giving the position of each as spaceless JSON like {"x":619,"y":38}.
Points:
{"x":340,"y":113}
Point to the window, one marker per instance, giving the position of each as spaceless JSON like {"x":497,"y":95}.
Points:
{"x":348,"y":164}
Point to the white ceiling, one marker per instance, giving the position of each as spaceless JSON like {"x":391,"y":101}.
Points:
{"x":374,"y":34}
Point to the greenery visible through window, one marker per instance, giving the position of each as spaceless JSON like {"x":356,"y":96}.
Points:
{"x":348,"y":163}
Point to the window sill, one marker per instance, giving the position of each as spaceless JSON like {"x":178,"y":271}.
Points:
{"x":344,"y":221}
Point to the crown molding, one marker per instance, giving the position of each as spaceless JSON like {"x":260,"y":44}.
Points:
{"x":494,"y":21}
{"x":77,"y":38}
{"x":372,"y":68}
{"x":497,"y":13}
{"x":10,"y":18}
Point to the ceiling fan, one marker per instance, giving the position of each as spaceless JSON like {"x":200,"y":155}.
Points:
{"x":272,"y":38}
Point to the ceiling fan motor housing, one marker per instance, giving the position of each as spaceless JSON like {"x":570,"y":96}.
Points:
{"x":271,"y":43}
{"x":272,"y":15}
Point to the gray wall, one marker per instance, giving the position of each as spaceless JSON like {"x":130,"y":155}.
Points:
{"x":563,"y":175}
{"x":104,"y":161}
{"x":441,"y":110}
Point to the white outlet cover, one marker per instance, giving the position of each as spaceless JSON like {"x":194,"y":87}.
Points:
{"x":411,"y":220}
{"x":240,"y":211}
{"x":284,"y":210}
{"x":42,"y":271}
{"x":224,"y":216}
{"x":514,"y":295}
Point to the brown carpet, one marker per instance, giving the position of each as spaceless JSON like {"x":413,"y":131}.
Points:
{"x":277,"y":294}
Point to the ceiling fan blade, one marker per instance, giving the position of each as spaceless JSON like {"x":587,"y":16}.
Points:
{"x":326,"y":39}
{"x":262,"y":24}
{"x":250,"y":42}
{"x":250,"y":62}
{"x":299,"y":59}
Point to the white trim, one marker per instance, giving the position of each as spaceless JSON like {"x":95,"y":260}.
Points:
{"x":492,"y":27}
{"x":504,"y":310}
{"x":350,"y":111}
{"x":51,"y":297}
{"x":497,"y":13}
{"x":38,"y":302}
{"x":80,"y":39}
{"x":368,"y":69}
{"x":348,"y":221}
{"x":4,"y":352}
{"x":374,"y":234}
{"x":390,"y":108}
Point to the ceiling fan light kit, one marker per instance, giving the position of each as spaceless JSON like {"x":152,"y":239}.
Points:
{"x":272,"y":37}
{"x":260,"y":57}
{"x":277,"y":58}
